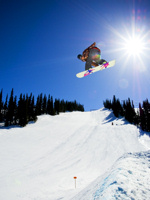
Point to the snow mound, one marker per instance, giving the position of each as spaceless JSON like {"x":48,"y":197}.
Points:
{"x":40,"y":160}
{"x":129,"y":179}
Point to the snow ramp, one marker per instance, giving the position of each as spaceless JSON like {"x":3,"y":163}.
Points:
{"x":40,"y":160}
{"x":128,"y":179}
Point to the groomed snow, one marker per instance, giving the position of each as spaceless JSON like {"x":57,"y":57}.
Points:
{"x":128,"y":179}
{"x":39,"y":161}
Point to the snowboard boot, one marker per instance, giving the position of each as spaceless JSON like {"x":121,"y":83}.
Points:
{"x":102,"y":61}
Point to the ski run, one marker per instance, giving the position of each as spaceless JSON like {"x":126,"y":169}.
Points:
{"x":109,"y":157}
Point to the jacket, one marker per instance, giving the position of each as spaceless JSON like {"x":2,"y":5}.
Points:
{"x":85,"y":53}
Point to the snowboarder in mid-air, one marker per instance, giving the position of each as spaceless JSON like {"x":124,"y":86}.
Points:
{"x":92,"y":56}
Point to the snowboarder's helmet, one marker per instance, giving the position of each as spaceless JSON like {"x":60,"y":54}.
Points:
{"x":79,"y":56}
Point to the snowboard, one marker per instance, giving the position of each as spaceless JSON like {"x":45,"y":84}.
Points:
{"x":96,"y":69}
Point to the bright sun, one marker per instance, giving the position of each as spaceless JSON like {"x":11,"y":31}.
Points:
{"x":134,"y":46}
{"x":131,"y":44}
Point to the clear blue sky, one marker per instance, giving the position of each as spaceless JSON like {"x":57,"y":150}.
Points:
{"x":40,"y":41}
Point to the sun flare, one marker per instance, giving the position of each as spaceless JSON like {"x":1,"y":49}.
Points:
{"x":131,"y":45}
{"x":134,"y":46}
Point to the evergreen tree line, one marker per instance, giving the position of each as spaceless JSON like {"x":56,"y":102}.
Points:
{"x":13,"y":112}
{"x":126,"y":109}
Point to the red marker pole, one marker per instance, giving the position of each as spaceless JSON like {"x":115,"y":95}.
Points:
{"x":75,"y":180}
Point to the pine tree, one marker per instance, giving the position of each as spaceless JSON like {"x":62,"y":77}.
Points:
{"x":57,"y":106}
{"x":107,"y":104}
{"x":1,"y":107}
{"x":146,"y":111}
{"x":26,"y":109}
{"x":40,"y":103}
{"x":15,"y":110}
{"x":62,"y":106}
{"x":33,"y":114}
{"x":50,"y":106}
{"x":38,"y":107}
{"x":119,"y":108}
{"x":10,"y":113}
{"x":44,"y":105}
{"x":31,"y":108}
{"x":129,"y":112}
{"x":114,"y":107}
{"x":22,"y":118}
{"x":80,"y":107}
{"x":5,"y":108}
{"x":52,"y":111}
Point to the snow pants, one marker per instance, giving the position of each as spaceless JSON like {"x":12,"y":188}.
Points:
{"x":94,"y":56}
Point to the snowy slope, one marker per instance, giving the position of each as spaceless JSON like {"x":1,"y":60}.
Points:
{"x":40,"y":160}
{"x":129,"y":179}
